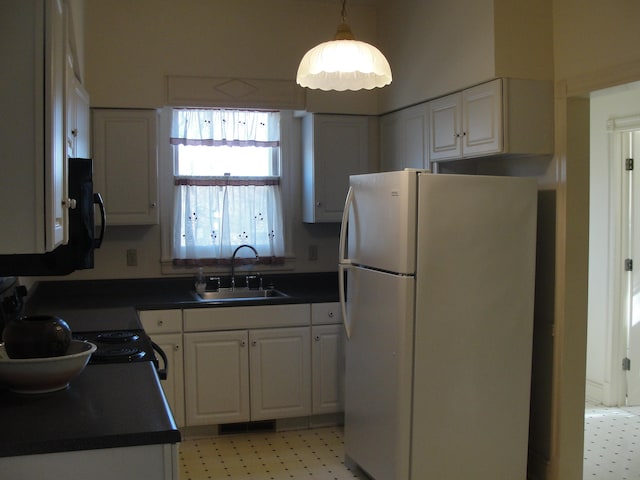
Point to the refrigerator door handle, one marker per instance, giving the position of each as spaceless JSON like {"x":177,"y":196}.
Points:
{"x":343,"y":262}
{"x":346,"y":323}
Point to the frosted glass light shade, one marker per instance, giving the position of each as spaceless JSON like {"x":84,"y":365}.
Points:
{"x":344,"y":65}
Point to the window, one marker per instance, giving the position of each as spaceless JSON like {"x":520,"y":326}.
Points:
{"x":226,"y":186}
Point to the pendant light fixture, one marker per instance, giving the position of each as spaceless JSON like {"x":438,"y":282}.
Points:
{"x":344,"y":63}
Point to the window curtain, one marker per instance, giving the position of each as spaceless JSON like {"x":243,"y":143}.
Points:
{"x":239,"y":128}
{"x":215,"y":215}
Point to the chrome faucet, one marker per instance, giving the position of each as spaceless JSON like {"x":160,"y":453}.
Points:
{"x":233,"y":263}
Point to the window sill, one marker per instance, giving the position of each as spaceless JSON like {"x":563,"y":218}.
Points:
{"x":168,"y":268}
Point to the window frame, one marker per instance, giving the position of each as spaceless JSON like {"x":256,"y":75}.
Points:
{"x":290,"y":172}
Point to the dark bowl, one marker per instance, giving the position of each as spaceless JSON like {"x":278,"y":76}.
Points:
{"x":36,"y":337}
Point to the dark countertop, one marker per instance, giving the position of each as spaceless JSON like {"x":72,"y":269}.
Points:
{"x":120,"y":404}
{"x":167,"y":293}
{"x":99,"y":409}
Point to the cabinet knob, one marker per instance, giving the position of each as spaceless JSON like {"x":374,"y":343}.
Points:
{"x":153,"y":205}
{"x":243,"y":343}
{"x":74,"y":132}
{"x":318,"y":204}
{"x":254,"y":343}
{"x":177,"y":347}
{"x":330,"y":314}
{"x":317,"y":338}
{"x":160,"y":323}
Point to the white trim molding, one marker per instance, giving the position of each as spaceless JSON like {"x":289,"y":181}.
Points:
{"x":185,"y":91}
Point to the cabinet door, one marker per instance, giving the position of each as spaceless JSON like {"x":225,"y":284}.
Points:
{"x":482,"y":119}
{"x":280,"y":373}
{"x":327,"y":349}
{"x":415,"y":127}
{"x":57,"y":207}
{"x":216,"y":377}
{"x":404,"y":139}
{"x":445,"y":127}
{"x":334,"y":147}
{"x":78,"y":116}
{"x":125,"y":165}
{"x":173,"y":386}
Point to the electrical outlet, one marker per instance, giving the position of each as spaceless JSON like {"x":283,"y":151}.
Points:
{"x":132,"y":257}
{"x":313,"y":253}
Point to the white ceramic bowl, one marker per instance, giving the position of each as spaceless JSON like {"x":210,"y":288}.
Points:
{"x":43,"y":375}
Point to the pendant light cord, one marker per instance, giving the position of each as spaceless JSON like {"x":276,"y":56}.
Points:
{"x":344,"y":11}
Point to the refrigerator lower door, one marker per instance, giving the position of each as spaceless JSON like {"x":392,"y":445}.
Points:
{"x":378,"y":373}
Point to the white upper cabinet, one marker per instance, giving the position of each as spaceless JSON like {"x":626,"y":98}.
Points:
{"x":334,"y":147}
{"x":125,"y":164}
{"x":504,"y":116}
{"x":404,"y":139}
{"x":78,"y":121}
{"x":33,"y":187}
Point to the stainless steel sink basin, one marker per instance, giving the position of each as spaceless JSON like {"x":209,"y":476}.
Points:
{"x":238,"y":294}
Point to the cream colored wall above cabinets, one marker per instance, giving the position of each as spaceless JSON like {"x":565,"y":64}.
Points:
{"x":132,"y":46}
{"x":438,"y":47}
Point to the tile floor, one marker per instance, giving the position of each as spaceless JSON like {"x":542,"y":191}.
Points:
{"x":315,"y":454}
{"x":611,"y":452}
{"x":611,"y":443}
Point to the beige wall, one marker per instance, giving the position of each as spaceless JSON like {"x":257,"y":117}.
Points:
{"x":591,"y":41}
{"x":133,"y":45}
{"x":436,"y":47}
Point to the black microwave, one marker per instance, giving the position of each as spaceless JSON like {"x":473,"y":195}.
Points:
{"x":78,"y":253}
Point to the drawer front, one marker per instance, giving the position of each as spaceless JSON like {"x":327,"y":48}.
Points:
{"x":161,"y":321}
{"x":326,"y":313}
{"x":235,"y":318}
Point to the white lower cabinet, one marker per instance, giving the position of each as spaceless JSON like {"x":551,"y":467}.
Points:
{"x":280,"y":369}
{"x":217,"y":377}
{"x":327,"y":358}
{"x":251,"y":363}
{"x":327,"y":351}
{"x":165,"y":329}
{"x":243,"y":375}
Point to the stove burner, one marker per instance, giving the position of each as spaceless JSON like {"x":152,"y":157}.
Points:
{"x":123,"y":353}
{"x":117,"y":337}
{"x":119,"y":346}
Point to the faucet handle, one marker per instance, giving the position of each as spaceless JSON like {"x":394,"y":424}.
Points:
{"x":253,"y":282}
{"x":213,"y":283}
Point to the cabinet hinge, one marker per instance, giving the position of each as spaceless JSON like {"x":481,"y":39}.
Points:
{"x":628,"y":265}
{"x":626,"y":364}
{"x":628,"y":164}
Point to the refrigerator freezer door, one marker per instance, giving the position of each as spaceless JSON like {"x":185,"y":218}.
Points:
{"x":378,"y":372}
{"x":382,"y":221}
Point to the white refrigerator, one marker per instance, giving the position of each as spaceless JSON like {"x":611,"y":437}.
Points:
{"x":437,"y":286}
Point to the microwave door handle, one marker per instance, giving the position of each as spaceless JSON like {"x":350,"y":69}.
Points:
{"x":97,"y":200}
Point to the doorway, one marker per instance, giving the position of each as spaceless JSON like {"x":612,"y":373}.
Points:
{"x":630,"y":149}
{"x":613,"y":113}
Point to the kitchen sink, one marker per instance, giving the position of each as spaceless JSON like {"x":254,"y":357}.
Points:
{"x":224,"y":294}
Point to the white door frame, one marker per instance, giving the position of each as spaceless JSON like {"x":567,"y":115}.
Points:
{"x":614,"y":390}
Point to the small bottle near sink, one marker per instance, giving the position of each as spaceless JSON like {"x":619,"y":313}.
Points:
{"x":201,"y":281}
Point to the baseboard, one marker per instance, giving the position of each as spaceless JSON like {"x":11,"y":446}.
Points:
{"x":594,"y":392}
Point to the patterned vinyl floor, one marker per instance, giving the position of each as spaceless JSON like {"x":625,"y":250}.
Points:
{"x":611,"y":443}
{"x":315,"y":454}
{"x":611,"y":452}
